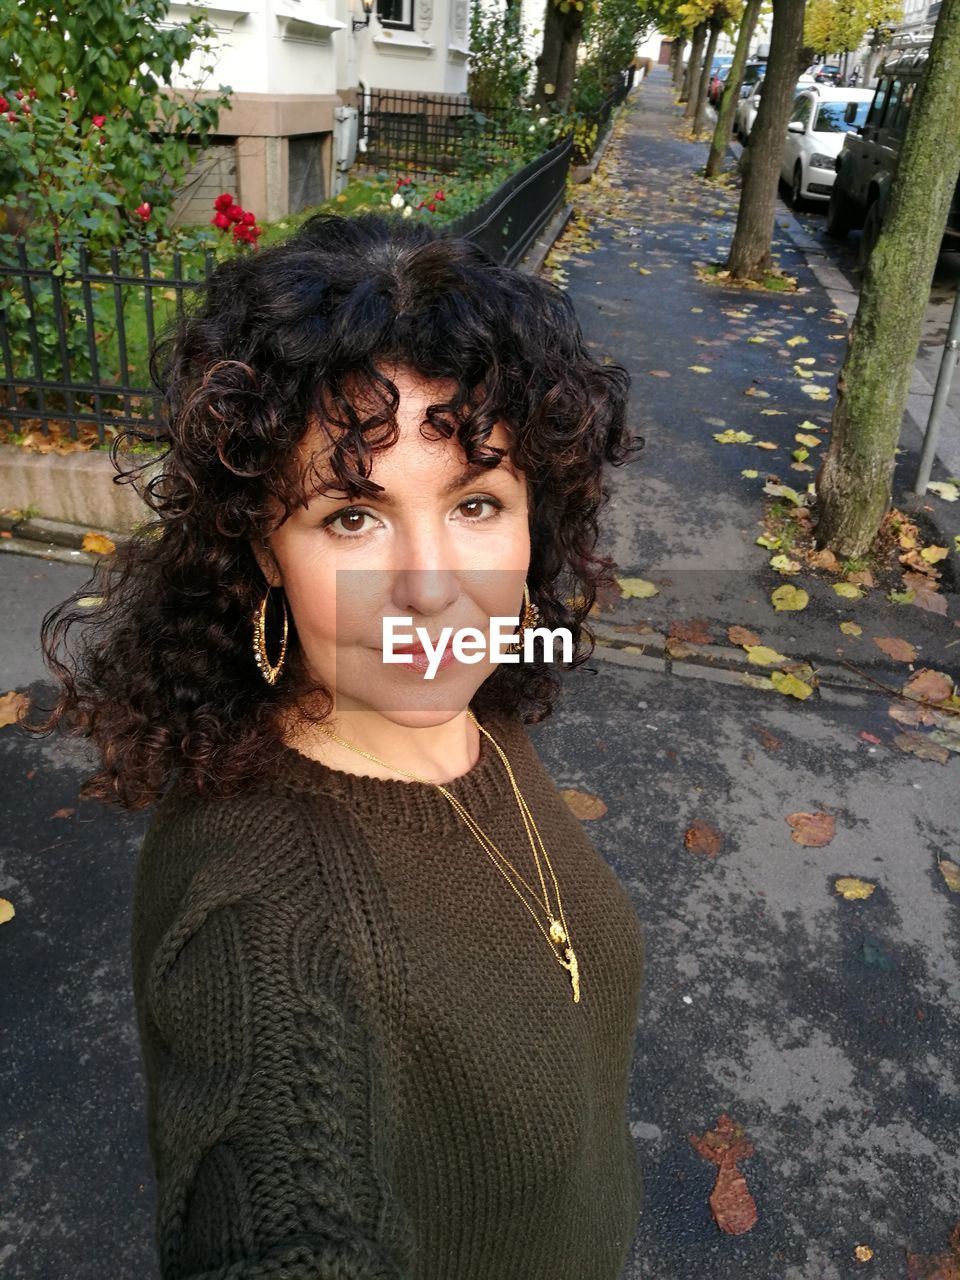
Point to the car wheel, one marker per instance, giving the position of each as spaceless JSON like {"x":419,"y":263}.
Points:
{"x":796,"y":187}
{"x":871,"y":232}
{"x":839,"y":214}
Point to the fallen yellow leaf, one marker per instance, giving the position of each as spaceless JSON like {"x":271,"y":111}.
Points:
{"x":797,"y":341}
{"x":98,"y":544}
{"x":951,"y":874}
{"x":12,"y":706}
{"x":637,"y":588}
{"x":933,"y":554}
{"x":761,"y":655}
{"x":788,"y":684}
{"x":699,"y":368}
{"x":789,"y":598}
{"x":852,"y":889}
{"x":6,"y":911}
{"x":849,"y":590}
{"x":851,"y":629}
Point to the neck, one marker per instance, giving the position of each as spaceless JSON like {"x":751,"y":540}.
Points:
{"x":435,"y":753}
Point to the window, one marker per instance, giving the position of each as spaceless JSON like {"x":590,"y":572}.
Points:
{"x":893,"y":97}
{"x":395,"y":13}
{"x":899,"y":125}
{"x":876,"y":106}
{"x":801,"y":110}
{"x":831,"y":118}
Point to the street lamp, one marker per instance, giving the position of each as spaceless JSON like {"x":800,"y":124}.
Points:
{"x":367,"y":10}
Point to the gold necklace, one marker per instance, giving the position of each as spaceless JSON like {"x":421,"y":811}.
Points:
{"x":559,"y":934}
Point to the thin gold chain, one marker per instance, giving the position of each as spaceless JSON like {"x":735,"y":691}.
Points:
{"x":488,"y":845}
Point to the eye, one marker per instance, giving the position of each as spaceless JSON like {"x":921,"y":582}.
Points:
{"x":481,"y":501}
{"x":349,"y":514}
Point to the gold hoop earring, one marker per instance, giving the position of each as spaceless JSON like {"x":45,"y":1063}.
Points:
{"x":529,"y":618}
{"x":269,"y":673}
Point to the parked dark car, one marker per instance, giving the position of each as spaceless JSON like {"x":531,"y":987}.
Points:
{"x":868,"y":159}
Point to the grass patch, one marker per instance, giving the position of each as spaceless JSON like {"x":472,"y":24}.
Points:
{"x":717,"y":273}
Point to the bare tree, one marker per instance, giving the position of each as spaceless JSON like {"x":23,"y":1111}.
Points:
{"x":700,"y":110}
{"x":693,"y":66}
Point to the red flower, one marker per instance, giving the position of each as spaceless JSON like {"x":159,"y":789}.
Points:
{"x":4,"y":104}
{"x":220,"y":220}
{"x":432,"y":207}
{"x":18,"y":94}
{"x":143,"y":211}
{"x":249,"y":218}
{"x":11,"y":117}
{"x":33,"y":95}
{"x":235,"y":213}
{"x":99,"y":121}
{"x":223,"y":202}
{"x":438,"y":195}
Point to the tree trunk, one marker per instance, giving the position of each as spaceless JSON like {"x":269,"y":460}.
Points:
{"x":678,"y":47}
{"x":855,"y":482}
{"x":731,"y":90}
{"x":700,"y":112}
{"x":693,"y":66}
{"x":750,"y":252}
{"x":556,"y":63}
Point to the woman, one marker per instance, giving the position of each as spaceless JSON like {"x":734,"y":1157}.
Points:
{"x":386,"y":988}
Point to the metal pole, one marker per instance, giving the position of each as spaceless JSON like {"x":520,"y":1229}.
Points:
{"x":948,"y":364}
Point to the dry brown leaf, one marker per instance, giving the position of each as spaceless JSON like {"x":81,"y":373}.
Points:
{"x":899,"y":650}
{"x":741,"y":636}
{"x":693,"y":631}
{"x":677,"y":649}
{"x":937,"y":1266}
{"x":920,"y":582}
{"x":13,"y":707}
{"x":919,"y":745}
{"x":951,"y":874}
{"x":583,"y":805}
{"x":768,"y":741}
{"x":911,"y":713}
{"x":733,"y":1207}
{"x":63,"y":813}
{"x":825,"y":559}
{"x":702,"y":838}
{"x":812,"y":829}
{"x":930,"y":602}
{"x":862,"y":578}
{"x":927,"y":685}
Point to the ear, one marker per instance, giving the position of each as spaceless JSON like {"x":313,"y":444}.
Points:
{"x":268,"y":564}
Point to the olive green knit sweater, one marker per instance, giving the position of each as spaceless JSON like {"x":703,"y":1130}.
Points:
{"x":363,"y":1060}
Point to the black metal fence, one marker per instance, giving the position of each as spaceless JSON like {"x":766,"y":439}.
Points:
{"x":590,"y":130}
{"x":508,"y":222}
{"x":74,"y":347}
{"x":72,"y":343}
{"x":422,"y":134}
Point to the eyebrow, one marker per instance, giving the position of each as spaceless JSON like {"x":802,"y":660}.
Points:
{"x":470,"y":472}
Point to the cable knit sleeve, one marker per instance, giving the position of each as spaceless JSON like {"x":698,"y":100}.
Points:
{"x":267,"y":1113}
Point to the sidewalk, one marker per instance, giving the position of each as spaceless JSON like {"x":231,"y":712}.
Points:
{"x":705,"y":359}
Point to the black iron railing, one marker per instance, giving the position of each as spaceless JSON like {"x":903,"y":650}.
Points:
{"x":423,"y":134}
{"x":74,"y":346}
{"x":508,"y":222}
{"x":590,"y":130}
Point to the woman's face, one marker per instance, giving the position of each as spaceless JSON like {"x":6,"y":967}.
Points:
{"x":439,"y":545}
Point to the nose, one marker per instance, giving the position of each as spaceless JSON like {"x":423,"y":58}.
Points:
{"x":425,"y":575}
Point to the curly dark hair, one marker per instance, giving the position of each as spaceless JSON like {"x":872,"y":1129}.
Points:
{"x":292,"y":336}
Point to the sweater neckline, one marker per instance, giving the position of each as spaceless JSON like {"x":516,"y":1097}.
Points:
{"x":417,"y":806}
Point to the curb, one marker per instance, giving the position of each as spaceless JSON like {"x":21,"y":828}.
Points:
{"x":536,"y":256}
{"x":646,"y":650}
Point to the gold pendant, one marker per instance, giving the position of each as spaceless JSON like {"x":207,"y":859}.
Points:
{"x":574,"y":969}
{"x":557,"y":933}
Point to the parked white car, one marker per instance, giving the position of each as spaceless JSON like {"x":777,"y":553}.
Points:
{"x":748,"y":106}
{"x":822,"y":117}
